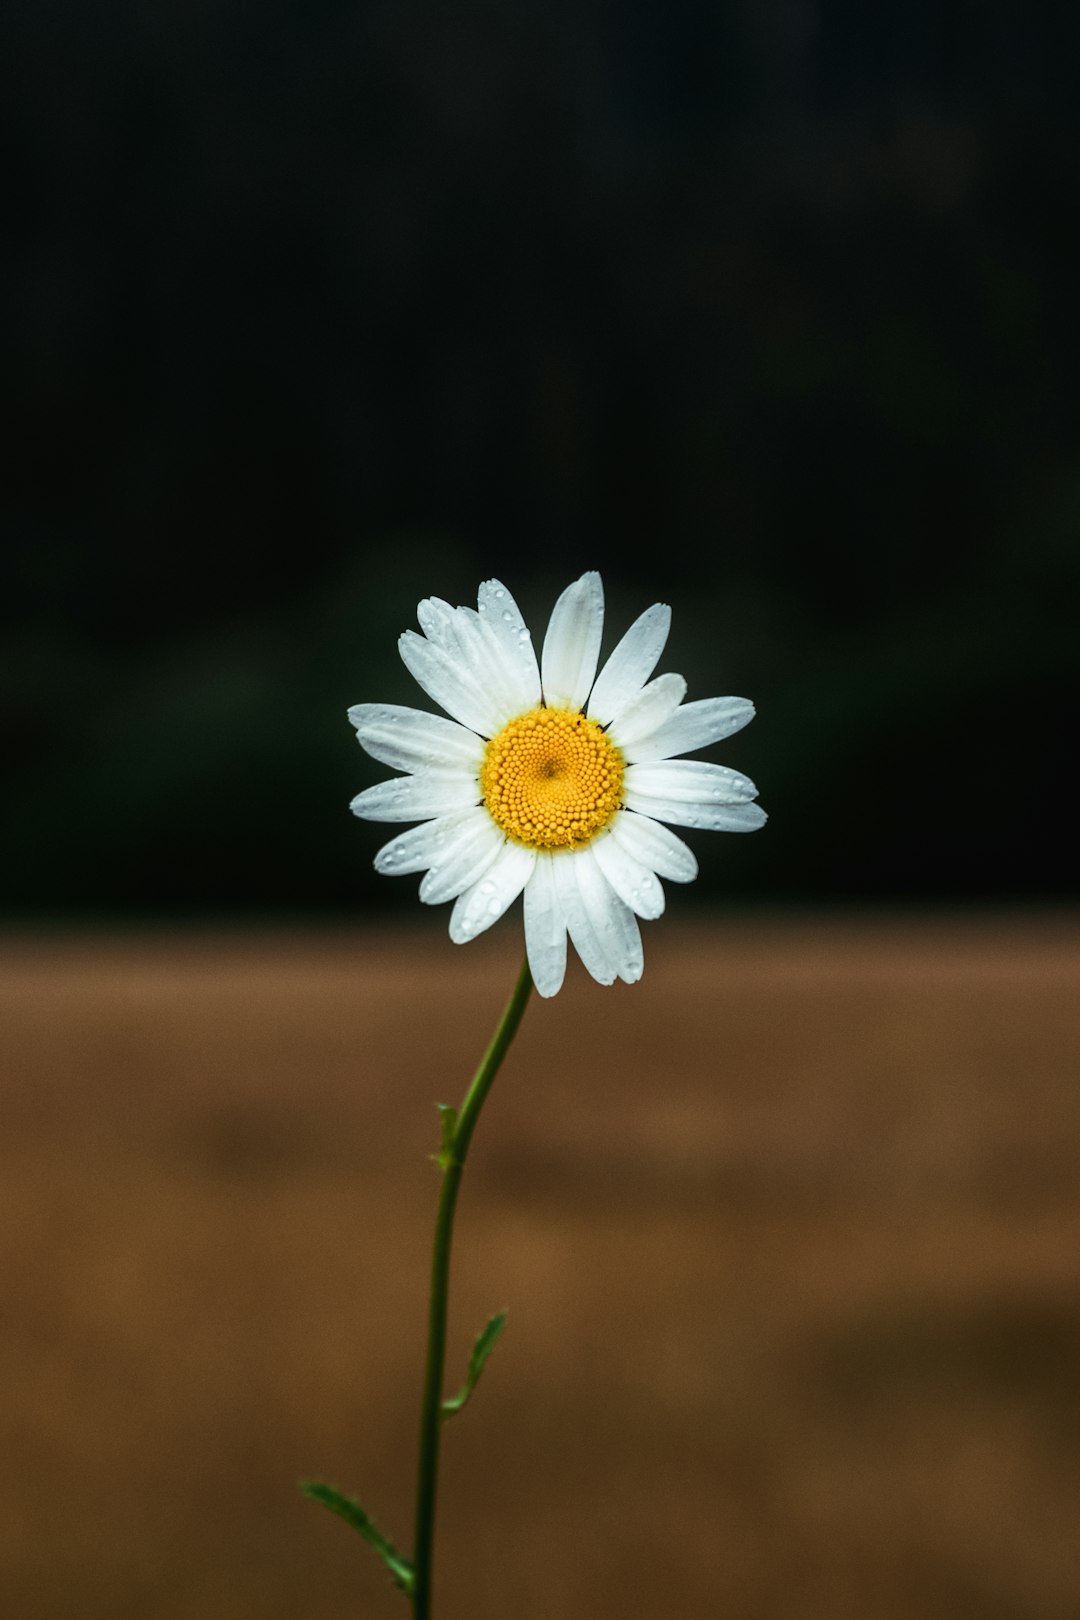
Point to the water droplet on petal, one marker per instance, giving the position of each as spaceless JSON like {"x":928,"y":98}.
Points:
{"x":508,"y":616}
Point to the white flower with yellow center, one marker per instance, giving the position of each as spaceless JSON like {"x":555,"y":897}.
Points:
{"x":550,"y":779}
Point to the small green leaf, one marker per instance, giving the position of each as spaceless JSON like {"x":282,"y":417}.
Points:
{"x":483,"y":1347}
{"x":447,"y":1126}
{"x":351,"y":1511}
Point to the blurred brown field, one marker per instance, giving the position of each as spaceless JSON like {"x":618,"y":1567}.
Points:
{"x":789,"y":1235}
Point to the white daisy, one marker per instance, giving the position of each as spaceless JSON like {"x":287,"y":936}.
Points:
{"x":549,"y":779}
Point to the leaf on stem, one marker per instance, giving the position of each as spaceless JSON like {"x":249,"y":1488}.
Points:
{"x":448,"y":1118}
{"x":483,"y":1347}
{"x":350,"y":1510}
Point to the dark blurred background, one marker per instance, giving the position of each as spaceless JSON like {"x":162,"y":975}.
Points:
{"x":765,"y":309}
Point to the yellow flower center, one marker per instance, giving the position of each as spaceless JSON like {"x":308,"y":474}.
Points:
{"x":551,"y":779}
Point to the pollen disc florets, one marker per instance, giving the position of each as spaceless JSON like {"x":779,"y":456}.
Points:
{"x":552,"y":779}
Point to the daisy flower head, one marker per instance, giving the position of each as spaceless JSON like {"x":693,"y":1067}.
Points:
{"x":548,"y":779}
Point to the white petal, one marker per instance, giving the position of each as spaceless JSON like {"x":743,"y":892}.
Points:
{"x":655,"y":846}
{"x":448,"y":682}
{"x":631,"y":663}
{"x":474,"y":649}
{"x":416,"y":798}
{"x":712,"y":817}
{"x":695,"y":725}
{"x":409,"y":740}
{"x":646,"y":712}
{"x":690,"y":781}
{"x":595,"y":950}
{"x":462,"y":861}
{"x":485,"y":902}
{"x":572,"y":644}
{"x":611,"y":918}
{"x":500,"y":677}
{"x":490,"y":668}
{"x":424,"y":846}
{"x":545,"y":928}
{"x":499,"y":610}
{"x":635,"y":883}
{"x":436,"y":619}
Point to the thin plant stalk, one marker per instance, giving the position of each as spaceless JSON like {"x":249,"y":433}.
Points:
{"x":452,"y":1162}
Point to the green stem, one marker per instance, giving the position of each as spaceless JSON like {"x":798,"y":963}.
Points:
{"x":453,"y":1163}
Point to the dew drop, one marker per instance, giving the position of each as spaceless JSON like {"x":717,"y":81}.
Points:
{"x":508,"y":616}
{"x":493,"y":908}
{"x":499,"y":594}
{"x":523,"y":635}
